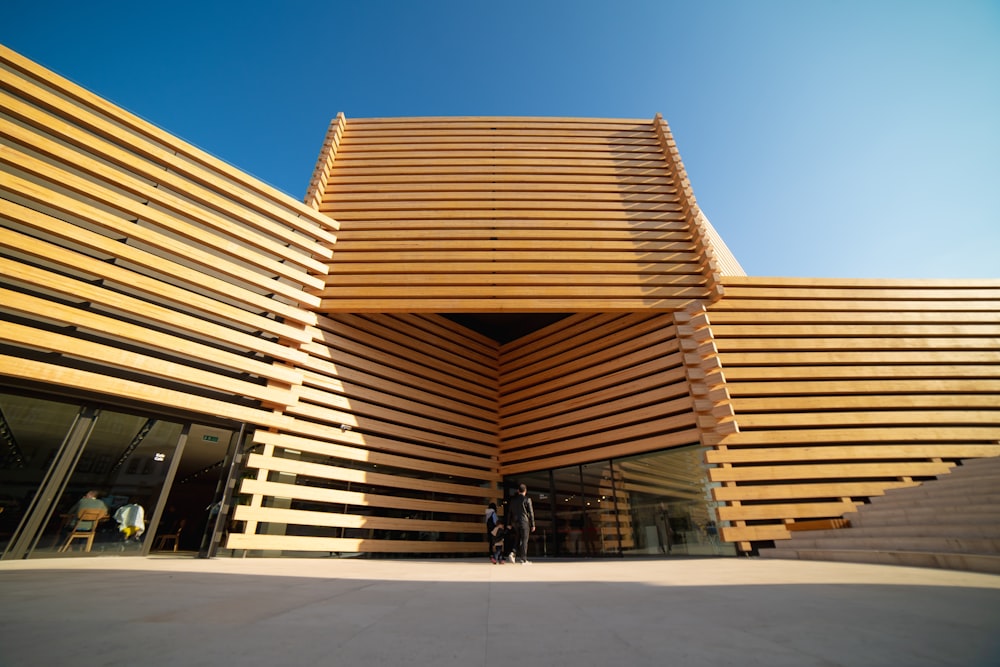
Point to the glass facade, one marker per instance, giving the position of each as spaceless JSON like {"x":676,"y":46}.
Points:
{"x":58,"y":459}
{"x":656,"y":504}
{"x":32,"y":432}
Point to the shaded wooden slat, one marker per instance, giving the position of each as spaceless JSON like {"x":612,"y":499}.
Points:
{"x":186,"y":298}
{"x":77,"y":235}
{"x":809,"y":490}
{"x":60,"y":376}
{"x":826,"y":471}
{"x":849,"y":452}
{"x":503,"y":213}
{"x":130,"y":361}
{"x":77,"y":317}
{"x":872,"y":435}
{"x":272,"y":237}
{"x":512,"y":465}
{"x":140,"y":308}
{"x":359,"y":453}
{"x":928,"y":400}
{"x":784,"y":511}
{"x":333,"y":472}
{"x":336,"y":496}
{"x":333,"y":520}
{"x":538,"y":267}
{"x":341,"y":545}
{"x":90,"y":112}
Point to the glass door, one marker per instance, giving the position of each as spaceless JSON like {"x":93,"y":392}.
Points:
{"x":123,"y":467}
{"x":543,"y":541}
{"x":568,"y":508}
{"x":33,"y":434}
{"x":605,"y":513}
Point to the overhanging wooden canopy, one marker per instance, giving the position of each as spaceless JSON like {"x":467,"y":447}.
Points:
{"x":512,"y":215}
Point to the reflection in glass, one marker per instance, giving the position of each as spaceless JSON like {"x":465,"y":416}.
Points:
{"x":653,"y":504}
{"x":543,"y":542}
{"x":602,"y":522}
{"x":31,"y":431}
{"x":123,"y":465}
{"x":668,"y":501}
{"x":568,"y":507}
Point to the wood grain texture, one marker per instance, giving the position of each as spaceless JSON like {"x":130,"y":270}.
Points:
{"x":383,"y":427}
{"x":452,"y":202}
{"x":845,"y":388}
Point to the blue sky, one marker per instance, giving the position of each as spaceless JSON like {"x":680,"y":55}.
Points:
{"x":822,"y":138}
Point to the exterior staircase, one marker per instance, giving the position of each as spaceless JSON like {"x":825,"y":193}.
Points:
{"x":951,"y":522}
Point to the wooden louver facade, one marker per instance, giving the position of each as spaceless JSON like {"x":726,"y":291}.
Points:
{"x":140,"y":269}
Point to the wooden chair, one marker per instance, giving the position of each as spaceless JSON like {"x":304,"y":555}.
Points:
{"x":174,"y":536}
{"x":84,"y":517}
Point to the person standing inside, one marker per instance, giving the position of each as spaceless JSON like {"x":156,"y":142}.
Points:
{"x":521,"y":518}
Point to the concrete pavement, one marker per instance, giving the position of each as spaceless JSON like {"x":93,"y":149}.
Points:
{"x":183,"y":611}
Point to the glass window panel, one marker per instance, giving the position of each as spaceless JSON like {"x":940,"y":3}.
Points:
{"x":543,"y":541}
{"x":602,"y":520}
{"x":123,"y":463}
{"x":31,"y":431}
{"x":667,"y":499}
{"x":568,"y":507}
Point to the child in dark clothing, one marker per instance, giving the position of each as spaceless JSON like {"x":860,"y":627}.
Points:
{"x":498,"y":546}
{"x":494,"y":531}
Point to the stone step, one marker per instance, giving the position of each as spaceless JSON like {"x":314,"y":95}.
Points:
{"x":992,"y":462}
{"x":950,"y":561}
{"x":918,"y":530}
{"x":945,"y":505}
{"x":929,"y":497}
{"x":893,"y":516}
{"x":987,"y":479}
{"x":951,"y":522}
{"x":845,"y":540}
{"x":984,"y":532}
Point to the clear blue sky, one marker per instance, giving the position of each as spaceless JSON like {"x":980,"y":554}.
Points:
{"x":856,"y":138}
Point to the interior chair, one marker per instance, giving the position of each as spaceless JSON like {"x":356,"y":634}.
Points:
{"x":86,"y":517}
{"x":173,"y":536}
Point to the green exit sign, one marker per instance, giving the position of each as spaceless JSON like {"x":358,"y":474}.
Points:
{"x":210,"y":438}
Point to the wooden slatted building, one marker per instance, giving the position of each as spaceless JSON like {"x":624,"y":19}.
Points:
{"x":461,"y":301}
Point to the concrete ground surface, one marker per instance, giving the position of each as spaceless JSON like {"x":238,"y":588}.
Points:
{"x":736,"y":611}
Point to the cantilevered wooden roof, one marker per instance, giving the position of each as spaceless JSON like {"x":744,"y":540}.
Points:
{"x":498,"y":215}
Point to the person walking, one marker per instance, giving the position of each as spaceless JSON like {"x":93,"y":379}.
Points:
{"x":494,"y":533}
{"x":521,"y":518}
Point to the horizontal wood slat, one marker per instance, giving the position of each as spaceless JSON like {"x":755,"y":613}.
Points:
{"x":400,"y":385}
{"x":149,"y":187}
{"x":73,"y":316}
{"x":329,"y":519}
{"x":864,"y":384}
{"x":33,"y":220}
{"x":580,"y":397}
{"x":108,"y":121}
{"x":140,"y":270}
{"x":114,"y":301}
{"x":349,"y":546}
{"x":114,"y":387}
{"x":356,"y":451}
{"x":472,"y":198}
{"x":330,"y":472}
{"x":147,"y":286}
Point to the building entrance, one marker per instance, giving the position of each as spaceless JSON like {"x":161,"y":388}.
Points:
{"x":79,"y":479}
{"x":656,"y":504}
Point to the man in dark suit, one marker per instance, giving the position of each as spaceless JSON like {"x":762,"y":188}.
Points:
{"x":521,"y":517}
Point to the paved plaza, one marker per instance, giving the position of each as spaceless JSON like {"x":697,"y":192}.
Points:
{"x":737,"y":611}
